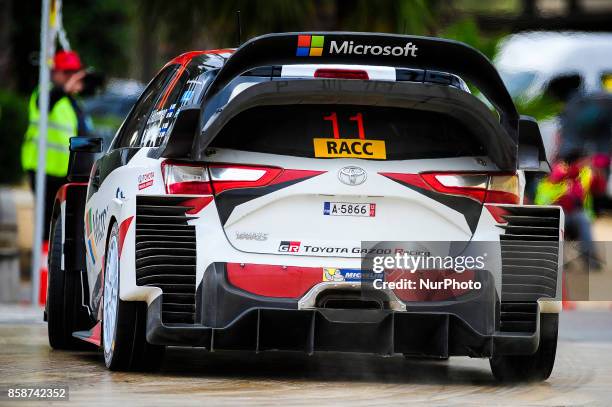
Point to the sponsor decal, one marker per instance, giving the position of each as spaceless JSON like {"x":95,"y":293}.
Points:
{"x":165,"y":125}
{"x":289,"y":246}
{"x":310,"y":45}
{"x":171,"y":111}
{"x":99,"y":224}
{"x":164,"y":128}
{"x":349,"y":209}
{"x":325,"y":249}
{"x":146,"y":180}
{"x":352,"y":175}
{"x":186,"y":96}
{"x":88,"y":226}
{"x":119,"y":194}
{"x":313,"y":45}
{"x":351,"y":48}
{"x":95,"y":229}
{"x":156,"y":116}
{"x":347,"y":148}
{"x":92,"y":253}
{"x":359,"y":147}
{"x":318,"y":250}
{"x":350,"y":275}
{"x":259,"y":236}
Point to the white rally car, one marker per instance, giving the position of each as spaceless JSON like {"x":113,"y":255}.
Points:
{"x":235,"y":205}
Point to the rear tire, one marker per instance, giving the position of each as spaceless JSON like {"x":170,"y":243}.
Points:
{"x":530,"y":368}
{"x":124,"y":322}
{"x":64,"y":308}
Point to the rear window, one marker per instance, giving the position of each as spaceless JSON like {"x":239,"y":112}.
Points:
{"x":331,"y":131}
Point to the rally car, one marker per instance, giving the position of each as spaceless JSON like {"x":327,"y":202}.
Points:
{"x":239,"y":202}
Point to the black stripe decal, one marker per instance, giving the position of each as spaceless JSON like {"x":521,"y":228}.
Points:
{"x":226,"y":201}
{"x":469,"y":208}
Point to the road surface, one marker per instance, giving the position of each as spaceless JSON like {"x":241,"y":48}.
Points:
{"x":582,"y":374}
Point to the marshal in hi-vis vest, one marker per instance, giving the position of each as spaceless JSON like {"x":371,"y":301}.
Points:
{"x":62,"y":125}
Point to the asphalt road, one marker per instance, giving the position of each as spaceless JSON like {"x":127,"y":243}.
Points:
{"x":582,"y":374}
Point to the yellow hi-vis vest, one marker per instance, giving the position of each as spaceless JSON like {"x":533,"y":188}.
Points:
{"x":62,"y":125}
{"x":548,"y":193}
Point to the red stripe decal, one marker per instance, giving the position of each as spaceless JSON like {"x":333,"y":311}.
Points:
{"x":272,"y":280}
{"x":410,"y":179}
{"x":188,"y":56}
{"x":95,"y":335}
{"x":197,"y":204}
{"x":63,"y":190}
{"x":170,"y":87}
{"x":123,"y":229}
{"x":498,"y":213}
{"x":292,"y":175}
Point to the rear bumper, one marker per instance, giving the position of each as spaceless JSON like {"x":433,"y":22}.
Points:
{"x":231,"y":319}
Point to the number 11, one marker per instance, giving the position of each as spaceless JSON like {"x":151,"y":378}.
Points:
{"x":359,"y":119}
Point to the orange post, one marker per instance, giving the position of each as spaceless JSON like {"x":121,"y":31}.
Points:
{"x":44,"y":274}
{"x":567,"y":304}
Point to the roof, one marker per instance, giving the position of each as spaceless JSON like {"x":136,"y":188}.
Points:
{"x":188,"y":56}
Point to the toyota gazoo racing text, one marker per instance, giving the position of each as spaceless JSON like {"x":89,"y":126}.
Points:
{"x":312,"y":192}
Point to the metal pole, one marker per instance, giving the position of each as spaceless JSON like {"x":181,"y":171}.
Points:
{"x":43,"y":108}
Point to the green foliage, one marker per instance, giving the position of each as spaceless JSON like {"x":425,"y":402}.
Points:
{"x":540,"y":108}
{"x":13,"y":122}
{"x":99,"y":30}
{"x":211,"y":24}
{"x":415,"y":17}
{"x":467,"y":31}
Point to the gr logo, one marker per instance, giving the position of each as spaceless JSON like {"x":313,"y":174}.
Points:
{"x":289,"y":247}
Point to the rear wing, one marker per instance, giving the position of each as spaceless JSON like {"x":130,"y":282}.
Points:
{"x":373,"y":49}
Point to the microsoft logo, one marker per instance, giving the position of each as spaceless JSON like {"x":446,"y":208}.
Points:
{"x":310,"y":45}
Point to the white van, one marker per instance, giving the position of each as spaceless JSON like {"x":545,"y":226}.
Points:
{"x":559,"y":63}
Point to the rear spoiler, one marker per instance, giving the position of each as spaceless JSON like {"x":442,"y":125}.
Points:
{"x":373,"y":49}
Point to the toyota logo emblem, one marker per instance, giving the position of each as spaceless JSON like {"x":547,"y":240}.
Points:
{"x":352,"y":175}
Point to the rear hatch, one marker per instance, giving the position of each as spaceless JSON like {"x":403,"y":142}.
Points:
{"x":318,"y":180}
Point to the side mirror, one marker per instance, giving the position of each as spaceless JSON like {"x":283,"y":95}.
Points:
{"x":83,"y":154}
{"x":86,"y":145}
{"x":182,"y":134}
{"x":531,"y":151}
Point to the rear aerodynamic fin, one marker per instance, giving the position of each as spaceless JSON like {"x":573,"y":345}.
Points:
{"x":373,"y":49}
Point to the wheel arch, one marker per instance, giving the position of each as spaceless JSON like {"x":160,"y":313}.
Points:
{"x":112,"y":219}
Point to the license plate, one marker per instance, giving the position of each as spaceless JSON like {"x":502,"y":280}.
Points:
{"x":349,"y":209}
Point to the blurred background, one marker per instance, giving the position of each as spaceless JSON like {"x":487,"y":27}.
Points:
{"x":549,"y":53}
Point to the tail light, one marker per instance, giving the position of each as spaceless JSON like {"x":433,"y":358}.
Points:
{"x":489,"y":188}
{"x":190,"y":179}
{"x":186,"y":179}
{"x":225,"y":177}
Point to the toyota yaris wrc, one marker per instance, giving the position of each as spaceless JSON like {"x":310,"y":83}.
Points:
{"x":242,"y":198}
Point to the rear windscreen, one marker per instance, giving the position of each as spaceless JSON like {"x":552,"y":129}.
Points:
{"x":331,"y":131}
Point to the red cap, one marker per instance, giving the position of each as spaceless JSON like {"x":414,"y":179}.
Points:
{"x":67,"y":61}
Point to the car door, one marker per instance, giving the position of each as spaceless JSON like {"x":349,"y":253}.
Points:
{"x":110,"y":192}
